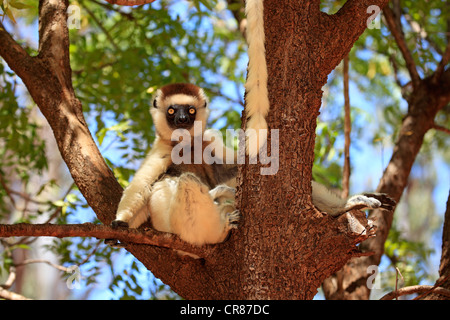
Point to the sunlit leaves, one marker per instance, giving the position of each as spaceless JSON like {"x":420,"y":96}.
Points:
{"x":21,"y":148}
{"x":9,"y":8}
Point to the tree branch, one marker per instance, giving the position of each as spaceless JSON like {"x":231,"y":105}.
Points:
{"x":14,"y":55}
{"x":347,"y":131}
{"x":100,"y":25}
{"x":415,"y":289}
{"x":99,"y":231}
{"x":239,"y":15}
{"x":130,"y":2}
{"x":355,"y":12}
{"x":394,"y":26}
{"x":417,"y":28}
{"x":440,"y":68}
{"x":441,"y":128}
{"x":347,"y":25}
{"x":8,"y":295}
{"x":31,"y":261}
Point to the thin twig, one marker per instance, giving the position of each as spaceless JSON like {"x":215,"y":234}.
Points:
{"x":347,"y":130}
{"x":100,"y":25}
{"x":7,"y":190}
{"x":397,"y":33}
{"x":108,"y":6}
{"x":444,"y":61}
{"x":130,"y":2}
{"x":31,"y":261}
{"x":396,"y":280}
{"x":441,"y":128}
{"x":11,"y":278}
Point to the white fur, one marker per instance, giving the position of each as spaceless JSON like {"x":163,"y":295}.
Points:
{"x":181,"y":205}
{"x":136,"y":195}
{"x":257,"y":98}
{"x":256,"y":134}
{"x":180,"y":99}
{"x":191,"y":213}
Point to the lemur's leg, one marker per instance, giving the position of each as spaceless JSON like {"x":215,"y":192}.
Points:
{"x":195,"y":217}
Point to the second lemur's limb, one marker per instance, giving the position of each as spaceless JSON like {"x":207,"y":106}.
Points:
{"x":329,"y":202}
{"x":135,"y":197}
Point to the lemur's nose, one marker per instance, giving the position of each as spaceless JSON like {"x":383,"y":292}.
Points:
{"x":183,"y":118}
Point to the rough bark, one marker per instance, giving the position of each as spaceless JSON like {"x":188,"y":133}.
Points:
{"x":284,"y":248}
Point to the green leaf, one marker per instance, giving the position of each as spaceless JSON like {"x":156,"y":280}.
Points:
{"x":20,"y":5}
{"x":10,"y":15}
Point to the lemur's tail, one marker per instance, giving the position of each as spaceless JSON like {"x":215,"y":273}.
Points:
{"x":256,"y":86}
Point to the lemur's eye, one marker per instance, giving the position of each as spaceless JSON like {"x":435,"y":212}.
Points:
{"x":192,"y":110}
{"x":171,"y":111}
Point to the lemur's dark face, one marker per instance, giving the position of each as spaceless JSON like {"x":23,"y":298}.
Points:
{"x":181,"y":116}
{"x":178,"y":106}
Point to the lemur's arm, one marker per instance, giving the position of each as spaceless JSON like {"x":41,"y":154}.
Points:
{"x":138,"y":191}
{"x":329,"y":202}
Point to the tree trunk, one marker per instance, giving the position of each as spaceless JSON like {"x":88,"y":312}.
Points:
{"x":444,"y":268}
{"x":290,"y":247}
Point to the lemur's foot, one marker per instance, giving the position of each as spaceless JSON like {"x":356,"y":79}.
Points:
{"x":370,"y":201}
{"x":119,"y":224}
{"x":232,"y":222}
{"x":233,"y":219}
{"x":387,"y":202}
{"x":114,"y":242}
